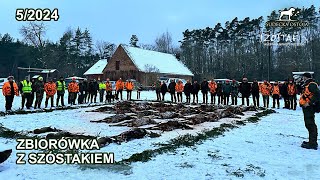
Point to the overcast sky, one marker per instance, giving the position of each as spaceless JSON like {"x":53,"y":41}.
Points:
{"x":116,"y":20}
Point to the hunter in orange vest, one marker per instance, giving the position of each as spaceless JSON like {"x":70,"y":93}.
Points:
{"x":73,"y":89}
{"x":309,"y":101}
{"x":265,"y":89}
{"x":179,"y":89}
{"x":213,"y":90}
{"x":292,"y":92}
{"x":276,"y":94}
{"x":9,"y":89}
{"x":119,"y":88}
{"x":129,"y":86}
{"x":50,"y":88}
{"x":108,"y":91}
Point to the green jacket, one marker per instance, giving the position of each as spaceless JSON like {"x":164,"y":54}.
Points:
{"x":226,"y":88}
{"x":234,"y":88}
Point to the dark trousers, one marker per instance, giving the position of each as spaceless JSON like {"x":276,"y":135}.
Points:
{"x":108,"y":96}
{"x":179,"y":94}
{"x":220,"y":99}
{"x":158,"y":95}
{"x":86,"y":97}
{"x":129,"y":93}
{"x":265,"y":101}
{"x":286,"y":102}
{"x":173,"y":97}
{"x":234,"y":99}
{"x":138,"y":94}
{"x":93,"y":97}
{"x":256,"y":98}
{"x":195,"y":95}
{"x":163,"y":94}
{"x":73,"y":97}
{"x":81,"y":98}
{"x":47,"y":100}
{"x":26,"y":100}
{"x":293,"y":102}
{"x":39,"y":97}
{"x":119,"y":92}
{"x":226,"y":99}
{"x":213,"y":98}
{"x":60,"y":96}
{"x":188,"y":98}
{"x":276,"y":100}
{"x":310,"y":124}
{"x":101,"y":95}
{"x":247,"y":99}
{"x":9,"y":101}
{"x":205,"y":97}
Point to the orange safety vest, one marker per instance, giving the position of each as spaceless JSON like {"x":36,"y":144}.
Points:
{"x":50,"y":88}
{"x":108,"y":86}
{"x":129,"y":86}
{"x":6,"y":89}
{"x":213,"y":87}
{"x":291,"y":89}
{"x":306,"y":95}
{"x":275,"y":90}
{"x":73,"y":87}
{"x":179,"y":87}
{"x":265,"y":89}
{"x":119,"y":85}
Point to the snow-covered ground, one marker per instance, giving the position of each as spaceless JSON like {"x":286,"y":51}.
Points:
{"x":269,"y":149}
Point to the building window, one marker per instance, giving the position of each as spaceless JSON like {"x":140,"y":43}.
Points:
{"x":117,"y":65}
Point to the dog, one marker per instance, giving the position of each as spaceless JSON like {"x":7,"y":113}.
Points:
{"x":291,"y":12}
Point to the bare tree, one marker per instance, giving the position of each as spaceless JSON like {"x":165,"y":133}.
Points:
{"x":148,"y":47}
{"x":152,"y":71}
{"x":163,"y":43}
{"x":149,"y":68}
{"x":34,"y":34}
{"x":105,"y":49}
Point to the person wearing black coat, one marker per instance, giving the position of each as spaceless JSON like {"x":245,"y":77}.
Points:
{"x":93,"y":90}
{"x":86,"y":91}
{"x":38,"y":88}
{"x":255,"y":93}
{"x":172,"y":91}
{"x":219,"y":92}
{"x":245,"y":90}
{"x":187,"y":90}
{"x":284,"y":93}
{"x":195,"y":90}
{"x":163,"y":89}
{"x":82,"y":89}
{"x":205,"y":90}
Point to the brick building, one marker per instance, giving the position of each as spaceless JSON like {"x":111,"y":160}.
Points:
{"x":145,"y":66}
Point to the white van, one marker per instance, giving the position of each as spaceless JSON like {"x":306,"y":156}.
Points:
{"x":176,"y":81}
{"x":2,"y":81}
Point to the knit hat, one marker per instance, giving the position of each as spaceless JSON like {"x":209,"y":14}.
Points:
{"x":10,"y":77}
{"x":40,"y":78}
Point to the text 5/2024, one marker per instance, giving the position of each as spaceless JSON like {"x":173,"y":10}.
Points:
{"x":30,"y":14}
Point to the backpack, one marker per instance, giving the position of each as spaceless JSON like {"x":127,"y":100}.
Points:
{"x":316,"y":106}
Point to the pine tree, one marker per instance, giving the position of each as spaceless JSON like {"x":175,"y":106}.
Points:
{"x":134,"y":41}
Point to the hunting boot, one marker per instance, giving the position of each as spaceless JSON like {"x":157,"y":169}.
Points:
{"x":308,"y":145}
